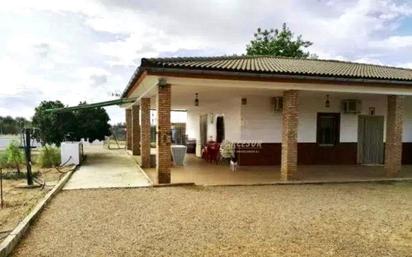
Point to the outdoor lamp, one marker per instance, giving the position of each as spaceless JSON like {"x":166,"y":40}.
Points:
{"x":196,"y":99}
{"x":327,"y":102}
{"x":162,"y":82}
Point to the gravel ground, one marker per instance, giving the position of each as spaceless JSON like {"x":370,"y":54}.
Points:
{"x":325,"y":220}
{"x":19,"y":201}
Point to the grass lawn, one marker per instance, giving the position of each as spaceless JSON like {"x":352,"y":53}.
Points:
{"x":305,"y":220}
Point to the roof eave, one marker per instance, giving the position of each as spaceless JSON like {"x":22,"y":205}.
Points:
{"x":274,"y":76}
{"x":256,"y":75}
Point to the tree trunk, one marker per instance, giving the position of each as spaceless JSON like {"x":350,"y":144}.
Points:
{"x":18,"y":167}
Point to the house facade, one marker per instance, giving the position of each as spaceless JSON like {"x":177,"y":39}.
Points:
{"x":277,"y":111}
{"x":250,"y":119}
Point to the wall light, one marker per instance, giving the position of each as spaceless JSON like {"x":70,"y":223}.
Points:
{"x":196,"y":99}
{"x":327,"y":102}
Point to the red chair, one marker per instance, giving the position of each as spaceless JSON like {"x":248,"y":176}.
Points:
{"x":212,"y":152}
{"x":204,"y":150}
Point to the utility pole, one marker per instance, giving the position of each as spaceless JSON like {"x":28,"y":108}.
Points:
{"x":27,"y":150}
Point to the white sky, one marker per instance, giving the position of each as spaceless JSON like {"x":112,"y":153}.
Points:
{"x":86,"y":50}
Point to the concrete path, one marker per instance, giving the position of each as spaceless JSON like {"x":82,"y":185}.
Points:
{"x":107,"y":169}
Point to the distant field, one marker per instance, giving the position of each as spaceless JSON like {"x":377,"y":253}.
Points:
{"x":6,"y":139}
{"x":9,"y":137}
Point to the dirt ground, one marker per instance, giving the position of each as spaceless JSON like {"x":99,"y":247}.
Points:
{"x":19,"y":201}
{"x":306,"y":220}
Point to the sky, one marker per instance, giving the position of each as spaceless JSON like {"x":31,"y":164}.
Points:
{"x":87,"y":50}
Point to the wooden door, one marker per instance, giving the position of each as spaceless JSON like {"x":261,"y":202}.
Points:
{"x":220,"y":129}
{"x":370,"y":139}
{"x":203,"y":129}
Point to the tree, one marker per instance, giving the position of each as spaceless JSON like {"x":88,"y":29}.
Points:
{"x":278,"y":43}
{"x":92,"y":124}
{"x":11,"y":126}
{"x":53,"y":127}
{"x":14,"y":155}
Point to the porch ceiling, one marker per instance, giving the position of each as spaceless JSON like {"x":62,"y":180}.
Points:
{"x":183,"y":96}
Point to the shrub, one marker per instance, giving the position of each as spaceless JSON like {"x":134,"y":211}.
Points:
{"x":14,"y":155}
{"x":3,"y":160}
{"x":227,"y":149}
{"x":16,"y":176}
{"x":49,"y":156}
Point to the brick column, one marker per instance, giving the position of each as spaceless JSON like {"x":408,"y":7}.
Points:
{"x":163,"y":157}
{"x":135,"y":130}
{"x":145,"y":132}
{"x":128,"y":129}
{"x":393,"y":145}
{"x":289,"y":135}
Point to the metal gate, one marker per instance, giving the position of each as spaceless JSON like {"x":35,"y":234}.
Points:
{"x":370,"y":139}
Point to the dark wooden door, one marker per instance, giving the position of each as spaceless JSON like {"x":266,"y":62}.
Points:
{"x":203,"y":129}
{"x":370,"y":139}
{"x":220,"y":129}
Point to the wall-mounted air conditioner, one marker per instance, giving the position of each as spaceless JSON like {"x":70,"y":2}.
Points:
{"x":351,"y":106}
{"x":277,"y":103}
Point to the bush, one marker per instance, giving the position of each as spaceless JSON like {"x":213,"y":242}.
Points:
{"x":14,"y":155}
{"x":16,"y":176}
{"x":3,"y":160}
{"x":49,"y":156}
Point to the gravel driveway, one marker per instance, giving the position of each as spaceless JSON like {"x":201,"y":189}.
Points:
{"x":324,"y":220}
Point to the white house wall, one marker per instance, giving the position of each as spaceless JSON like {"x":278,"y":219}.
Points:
{"x":260,"y":122}
{"x":229,"y":108}
{"x":257,"y":121}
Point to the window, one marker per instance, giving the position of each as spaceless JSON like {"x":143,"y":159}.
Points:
{"x":328,"y":129}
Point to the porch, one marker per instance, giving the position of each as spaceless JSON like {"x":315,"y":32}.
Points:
{"x":198,"y":171}
{"x":294,"y":121}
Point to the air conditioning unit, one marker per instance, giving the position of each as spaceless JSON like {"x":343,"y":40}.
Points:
{"x":277,"y":103}
{"x":351,"y":106}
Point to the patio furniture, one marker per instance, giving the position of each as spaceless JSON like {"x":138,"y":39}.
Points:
{"x":211,"y":152}
{"x":191,"y":145}
{"x":178,"y":154}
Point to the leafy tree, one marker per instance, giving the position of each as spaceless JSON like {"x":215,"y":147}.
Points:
{"x":14,"y":155}
{"x":53,"y":127}
{"x":92,"y":124}
{"x":11,"y":126}
{"x":278,"y":43}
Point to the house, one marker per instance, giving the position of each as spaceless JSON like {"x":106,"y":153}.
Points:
{"x":297,"y":111}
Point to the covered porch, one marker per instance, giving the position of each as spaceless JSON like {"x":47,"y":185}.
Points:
{"x":200,"y":172}
{"x":300,"y":129}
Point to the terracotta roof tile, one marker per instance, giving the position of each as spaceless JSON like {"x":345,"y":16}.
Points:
{"x":278,"y":66}
{"x":281,"y":65}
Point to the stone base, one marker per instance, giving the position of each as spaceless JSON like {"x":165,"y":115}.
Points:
{"x":164,"y":178}
{"x":392,"y":172}
{"x":25,"y":186}
{"x":288,"y":177}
